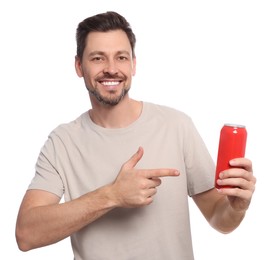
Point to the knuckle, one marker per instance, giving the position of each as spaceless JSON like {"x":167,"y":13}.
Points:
{"x":143,"y":184}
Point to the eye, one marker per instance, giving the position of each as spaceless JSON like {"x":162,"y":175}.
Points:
{"x":97,"y":59}
{"x":122,"y":58}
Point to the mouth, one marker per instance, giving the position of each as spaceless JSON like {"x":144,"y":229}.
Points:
{"x":110,"y":84}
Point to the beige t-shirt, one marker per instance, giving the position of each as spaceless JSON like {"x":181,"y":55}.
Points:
{"x":81,"y":156}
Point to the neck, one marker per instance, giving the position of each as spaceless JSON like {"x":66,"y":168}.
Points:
{"x":118,"y":116}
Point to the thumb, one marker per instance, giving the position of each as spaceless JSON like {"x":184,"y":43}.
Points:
{"x":135,"y":158}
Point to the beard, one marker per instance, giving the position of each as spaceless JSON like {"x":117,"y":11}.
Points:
{"x":110,"y":100}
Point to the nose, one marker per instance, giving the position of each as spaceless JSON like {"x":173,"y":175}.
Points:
{"x":110,"y":67}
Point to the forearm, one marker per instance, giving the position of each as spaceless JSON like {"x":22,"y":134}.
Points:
{"x":225,"y":219}
{"x":43,"y":225}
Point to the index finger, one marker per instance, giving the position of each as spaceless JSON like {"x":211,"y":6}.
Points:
{"x":151,"y":173}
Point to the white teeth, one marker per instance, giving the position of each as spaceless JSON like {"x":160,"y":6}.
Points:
{"x":110,"y":83}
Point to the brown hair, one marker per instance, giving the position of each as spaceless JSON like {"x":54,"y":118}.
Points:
{"x":103,"y":22}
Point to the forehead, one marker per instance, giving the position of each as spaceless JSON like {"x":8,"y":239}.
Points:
{"x":107,"y":42}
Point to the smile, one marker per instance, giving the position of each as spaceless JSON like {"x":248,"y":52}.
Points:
{"x":110,"y":83}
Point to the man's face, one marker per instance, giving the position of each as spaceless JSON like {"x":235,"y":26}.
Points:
{"x":107,"y":66}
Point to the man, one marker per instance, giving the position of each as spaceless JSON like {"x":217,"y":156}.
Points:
{"x":125,"y":168}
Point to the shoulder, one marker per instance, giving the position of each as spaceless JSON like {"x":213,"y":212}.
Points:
{"x":71,"y":128}
{"x":167,"y":113}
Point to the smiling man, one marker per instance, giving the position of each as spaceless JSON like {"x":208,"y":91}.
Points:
{"x":125,"y":167}
{"x":107,"y":71}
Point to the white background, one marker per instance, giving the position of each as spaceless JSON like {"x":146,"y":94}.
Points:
{"x":210,"y":59}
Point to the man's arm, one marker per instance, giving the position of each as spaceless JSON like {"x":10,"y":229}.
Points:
{"x":43,"y":221}
{"x":225,"y":208}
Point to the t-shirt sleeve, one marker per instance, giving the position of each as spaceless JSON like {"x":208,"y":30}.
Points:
{"x":200,"y":166}
{"x":46,"y":176}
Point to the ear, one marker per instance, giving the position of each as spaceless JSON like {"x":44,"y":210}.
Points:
{"x":78,"y":66}
{"x":134,"y":66}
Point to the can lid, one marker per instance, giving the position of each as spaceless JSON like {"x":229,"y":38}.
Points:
{"x":235,"y":125}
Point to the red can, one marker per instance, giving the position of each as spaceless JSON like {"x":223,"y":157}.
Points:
{"x":232,"y":144}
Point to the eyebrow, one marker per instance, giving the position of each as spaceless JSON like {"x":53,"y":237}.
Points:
{"x":93,"y":53}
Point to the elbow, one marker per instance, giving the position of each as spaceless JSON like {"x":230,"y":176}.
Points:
{"x":23,"y":240}
{"x":224,"y":230}
{"x":23,"y":247}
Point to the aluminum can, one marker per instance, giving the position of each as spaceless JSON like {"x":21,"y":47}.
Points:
{"x":232,"y":144}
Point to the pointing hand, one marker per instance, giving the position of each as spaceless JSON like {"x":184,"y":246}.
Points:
{"x":136,"y":187}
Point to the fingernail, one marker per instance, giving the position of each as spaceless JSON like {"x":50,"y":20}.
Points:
{"x":232,"y":162}
{"x":219,"y":181}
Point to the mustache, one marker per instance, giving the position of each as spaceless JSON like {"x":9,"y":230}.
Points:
{"x":108,"y":75}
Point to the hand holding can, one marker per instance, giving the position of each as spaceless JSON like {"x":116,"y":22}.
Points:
{"x":232,"y":144}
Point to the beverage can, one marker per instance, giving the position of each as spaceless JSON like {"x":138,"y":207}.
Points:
{"x":232,"y":144}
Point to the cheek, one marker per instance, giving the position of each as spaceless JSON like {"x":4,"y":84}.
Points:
{"x":90,"y":75}
{"x":131,"y":71}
